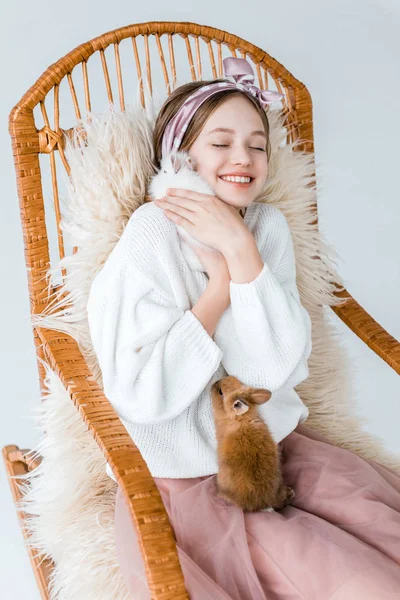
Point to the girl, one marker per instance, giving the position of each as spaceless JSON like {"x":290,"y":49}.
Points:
{"x":163,"y":333}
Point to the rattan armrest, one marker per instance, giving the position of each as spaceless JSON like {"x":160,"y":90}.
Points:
{"x":363,"y":325}
{"x":155,"y":534}
{"x":18,"y":462}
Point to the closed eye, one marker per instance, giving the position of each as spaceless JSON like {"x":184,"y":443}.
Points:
{"x":226,"y":145}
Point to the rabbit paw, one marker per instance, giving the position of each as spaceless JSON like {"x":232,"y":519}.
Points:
{"x":290,"y":493}
{"x":286,"y":497}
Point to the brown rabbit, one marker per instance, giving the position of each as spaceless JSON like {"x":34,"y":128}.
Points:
{"x":248,"y":458}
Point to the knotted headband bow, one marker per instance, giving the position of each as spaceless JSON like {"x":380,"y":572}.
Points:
{"x":243,"y":75}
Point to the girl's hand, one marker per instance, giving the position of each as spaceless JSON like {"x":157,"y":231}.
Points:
{"x":214,"y":263}
{"x":207,"y":218}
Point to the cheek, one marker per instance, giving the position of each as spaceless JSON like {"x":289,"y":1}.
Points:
{"x":263,"y":174}
{"x":208,"y":171}
{"x":264,"y":167}
{"x":204,"y":167}
{"x":207,"y":175}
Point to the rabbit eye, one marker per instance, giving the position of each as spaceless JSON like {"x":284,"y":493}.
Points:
{"x":165,"y":171}
{"x":221,"y":392}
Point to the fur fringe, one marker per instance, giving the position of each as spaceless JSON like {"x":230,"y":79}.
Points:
{"x":69,"y":503}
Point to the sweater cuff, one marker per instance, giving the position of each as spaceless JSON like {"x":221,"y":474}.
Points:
{"x":191,"y":332}
{"x":243,"y":293}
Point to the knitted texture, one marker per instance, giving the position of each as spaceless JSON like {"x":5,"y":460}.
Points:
{"x":158,"y":362}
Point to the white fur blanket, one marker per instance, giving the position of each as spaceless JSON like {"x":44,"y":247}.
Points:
{"x":70,"y":498}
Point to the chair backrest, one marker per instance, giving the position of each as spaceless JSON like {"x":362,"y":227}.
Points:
{"x":109,"y":69}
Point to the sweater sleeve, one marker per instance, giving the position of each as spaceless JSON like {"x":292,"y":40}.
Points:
{"x":271,"y":339}
{"x":155,"y":357}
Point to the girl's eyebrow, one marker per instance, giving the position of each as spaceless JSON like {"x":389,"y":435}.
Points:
{"x":225,"y":130}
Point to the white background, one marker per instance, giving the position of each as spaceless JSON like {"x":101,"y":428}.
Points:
{"x":347,"y":54}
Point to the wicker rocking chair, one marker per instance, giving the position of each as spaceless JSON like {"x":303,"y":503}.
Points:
{"x":158,"y":49}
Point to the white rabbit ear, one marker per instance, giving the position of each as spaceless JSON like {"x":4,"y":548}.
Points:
{"x":240,"y":407}
{"x":192,"y":163}
{"x":177,"y":161}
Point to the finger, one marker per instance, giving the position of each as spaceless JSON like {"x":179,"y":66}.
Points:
{"x":192,"y":245}
{"x":177,"y":202}
{"x":178,"y":208}
{"x":181,"y":221}
{"x":179,"y":218}
{"x":181,"y":193}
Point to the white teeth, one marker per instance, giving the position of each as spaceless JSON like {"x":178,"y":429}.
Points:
{"x":236,"y":179}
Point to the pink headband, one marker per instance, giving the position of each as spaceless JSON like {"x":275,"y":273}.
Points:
{"x":242,"y":73}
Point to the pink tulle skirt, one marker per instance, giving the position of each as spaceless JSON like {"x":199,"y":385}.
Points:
{"x":339,"y":540}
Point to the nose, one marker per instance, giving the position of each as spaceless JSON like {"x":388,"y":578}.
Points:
{"x":241,"y":155}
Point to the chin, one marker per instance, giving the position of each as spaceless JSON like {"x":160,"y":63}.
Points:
{"x":236,"y":202}
{"x":235,"y":197}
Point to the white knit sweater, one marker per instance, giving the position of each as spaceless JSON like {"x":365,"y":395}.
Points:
{"x":157,"y":360}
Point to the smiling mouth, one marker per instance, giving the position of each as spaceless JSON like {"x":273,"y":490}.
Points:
{"x":238,"y":183}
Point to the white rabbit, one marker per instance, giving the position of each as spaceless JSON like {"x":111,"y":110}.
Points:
{"x":177,"y":171}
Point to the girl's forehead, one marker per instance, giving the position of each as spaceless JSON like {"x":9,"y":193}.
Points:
{"x":236,"y":114}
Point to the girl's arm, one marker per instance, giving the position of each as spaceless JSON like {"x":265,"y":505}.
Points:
{"x":211,"y":305}
{"x":155,"y":357}
{"x":270,"y":338}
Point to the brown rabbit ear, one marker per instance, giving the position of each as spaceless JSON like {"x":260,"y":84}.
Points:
{"x":240,"y":406}
{"x":259,"y":396}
